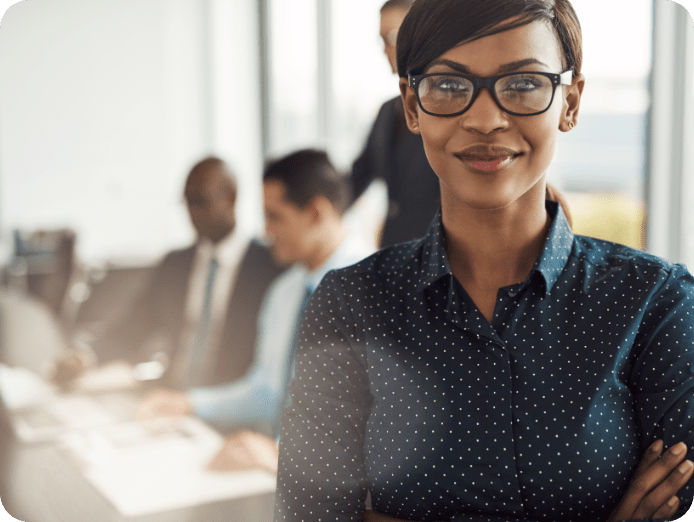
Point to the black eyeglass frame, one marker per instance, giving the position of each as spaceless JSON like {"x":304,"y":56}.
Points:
{"x":488,"y":83}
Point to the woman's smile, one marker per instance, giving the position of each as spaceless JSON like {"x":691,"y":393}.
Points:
{"x":487,"y":158}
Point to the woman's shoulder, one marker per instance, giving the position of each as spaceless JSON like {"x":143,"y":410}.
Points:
{"x":396,"y":263}
{"x":608,"y":255}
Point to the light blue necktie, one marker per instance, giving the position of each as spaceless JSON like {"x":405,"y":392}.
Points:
{"x":202,"y":331}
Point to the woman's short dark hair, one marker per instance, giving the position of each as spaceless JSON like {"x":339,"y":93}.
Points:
{"x":306,"y":174}
{"x":433,"y":27}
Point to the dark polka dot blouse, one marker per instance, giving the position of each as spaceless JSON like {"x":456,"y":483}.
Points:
{"x":404,"y":390}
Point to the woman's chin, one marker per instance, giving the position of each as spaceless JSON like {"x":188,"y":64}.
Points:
{"x":489,"y":205}
{"x":488,"y":202}
{"x":498,"y":197}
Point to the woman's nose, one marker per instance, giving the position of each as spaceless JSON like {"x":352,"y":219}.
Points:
{"x":484,"y":115}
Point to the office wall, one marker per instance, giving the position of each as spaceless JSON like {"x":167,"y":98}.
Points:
{"x":104,"y":105}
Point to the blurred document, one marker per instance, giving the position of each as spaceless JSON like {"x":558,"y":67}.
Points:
{"x":38,"y":412}
{"x":160,"y":465}
{"x":59,"y":416}
{"x":109,"y":377}
{"x":22,"y":388}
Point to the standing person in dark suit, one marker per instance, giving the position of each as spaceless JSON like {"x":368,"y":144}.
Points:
{"x":396,"y":155}
{"x":202,"y":302}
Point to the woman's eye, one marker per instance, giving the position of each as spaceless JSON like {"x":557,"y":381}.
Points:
{"x":450,"y":85}
{"x":522,"y":84}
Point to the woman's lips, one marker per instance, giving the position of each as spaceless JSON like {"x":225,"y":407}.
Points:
{"x":495,"y":164}
{"x":487,"y":158}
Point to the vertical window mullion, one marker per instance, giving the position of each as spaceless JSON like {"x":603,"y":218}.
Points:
{"x":324,"y":50}
{"x":666,"y":132}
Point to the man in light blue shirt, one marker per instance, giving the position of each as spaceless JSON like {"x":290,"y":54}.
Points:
{"x":305,"y":199}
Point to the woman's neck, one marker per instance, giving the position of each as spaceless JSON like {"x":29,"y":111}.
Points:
{"x":490,"y":249}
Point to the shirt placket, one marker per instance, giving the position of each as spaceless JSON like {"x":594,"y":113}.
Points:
{"x":496,"y":449}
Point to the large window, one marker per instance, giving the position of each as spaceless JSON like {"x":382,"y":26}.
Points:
{"x":106,"y":104}
{"x":688,"y":163}
{"x":327,"y":75}
{"x":293,"y":85}
{"x":601,"y":164}
{"x":670,"y":189}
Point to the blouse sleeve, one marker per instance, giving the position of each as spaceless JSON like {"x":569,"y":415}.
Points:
{"x":662,"y":375}
{"x":321,"y":473}
{"x":482,"y":518}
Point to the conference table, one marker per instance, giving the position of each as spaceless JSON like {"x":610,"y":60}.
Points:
{"x":40,"y":482}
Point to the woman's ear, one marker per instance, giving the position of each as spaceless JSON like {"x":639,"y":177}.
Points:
{"x":409,"y":102}
{"x":571,"y":103}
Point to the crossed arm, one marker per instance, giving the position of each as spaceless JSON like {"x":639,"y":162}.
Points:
{"x":652,"y":493}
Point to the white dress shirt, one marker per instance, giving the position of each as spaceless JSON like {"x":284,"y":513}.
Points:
{"x":229,"y":252}
{"x":256,"y":400}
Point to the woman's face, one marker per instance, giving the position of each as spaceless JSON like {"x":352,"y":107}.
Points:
{"x":486,"y":158}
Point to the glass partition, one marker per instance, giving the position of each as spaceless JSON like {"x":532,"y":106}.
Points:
{"x":293,"y":118}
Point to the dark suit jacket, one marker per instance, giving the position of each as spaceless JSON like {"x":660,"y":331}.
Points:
{"x":396,"y":155}
{"x":160,"y":310}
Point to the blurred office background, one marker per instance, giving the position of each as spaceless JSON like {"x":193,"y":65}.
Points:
{"x":105,"y":105}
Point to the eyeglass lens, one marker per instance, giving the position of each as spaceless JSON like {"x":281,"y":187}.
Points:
{"x":524,"y":93}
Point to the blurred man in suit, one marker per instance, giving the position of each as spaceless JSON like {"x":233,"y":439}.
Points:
{"x":200,"y":308}
{"x":305,"y":199}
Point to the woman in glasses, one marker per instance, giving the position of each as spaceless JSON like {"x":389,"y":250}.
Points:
{"x":501,"y":368}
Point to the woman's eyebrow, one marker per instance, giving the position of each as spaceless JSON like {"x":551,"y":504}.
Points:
{"x":508,"y":67}
{"x":449,"y":63}
{"x":519,"y":64}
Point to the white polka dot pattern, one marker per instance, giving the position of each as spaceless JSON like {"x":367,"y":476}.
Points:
{"x":403,"y":388}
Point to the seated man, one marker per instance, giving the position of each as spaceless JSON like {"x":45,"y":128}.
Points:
{"x":202,"y":301}
{"x":305,"y":199}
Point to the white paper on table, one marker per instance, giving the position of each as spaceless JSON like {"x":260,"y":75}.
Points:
{"x":109,"y":377}
{"x":58,"y":416}
{"x":151,"y":467}
{"x":22,"y":388}
{"x":38,"y":412}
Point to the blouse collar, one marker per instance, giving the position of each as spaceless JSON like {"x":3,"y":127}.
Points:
{"x":548,"y":265}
